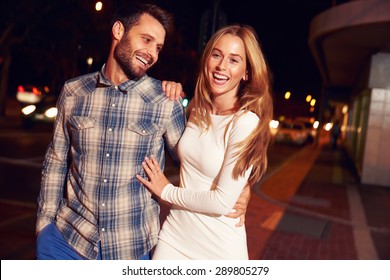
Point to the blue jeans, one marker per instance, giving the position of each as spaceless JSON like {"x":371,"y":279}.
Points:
{"x":51,"y":245}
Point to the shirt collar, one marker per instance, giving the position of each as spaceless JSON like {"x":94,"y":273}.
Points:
{"x":124,"y":87}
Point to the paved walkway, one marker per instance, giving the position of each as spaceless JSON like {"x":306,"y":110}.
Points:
{"x":312,"y":207}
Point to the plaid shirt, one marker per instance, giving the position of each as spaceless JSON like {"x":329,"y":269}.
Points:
{"x":102,"y":134}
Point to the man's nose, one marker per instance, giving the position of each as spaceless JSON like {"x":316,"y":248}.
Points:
{"x":152,"y":52}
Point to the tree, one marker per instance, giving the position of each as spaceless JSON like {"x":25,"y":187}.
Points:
{"x":47,"y":41}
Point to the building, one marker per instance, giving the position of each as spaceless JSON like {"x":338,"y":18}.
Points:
{"x":350,"y":43}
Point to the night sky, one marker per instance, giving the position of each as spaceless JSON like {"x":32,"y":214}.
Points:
{"x":282,"y":27}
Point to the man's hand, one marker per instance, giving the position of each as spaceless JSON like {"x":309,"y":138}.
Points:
{"x":241,"y":206}
{"x":173,"y":90}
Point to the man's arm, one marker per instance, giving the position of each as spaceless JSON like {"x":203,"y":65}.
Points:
{"x":241,"y":206}
{"x":54,"y":171}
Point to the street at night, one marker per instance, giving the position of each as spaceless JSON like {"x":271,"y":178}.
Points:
{"x":325,"y":92}
{"x":301,"y":209}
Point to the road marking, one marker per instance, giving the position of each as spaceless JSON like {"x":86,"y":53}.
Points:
{"x":17,"y":219}
{"x":22,"y":162}
{"x":15,"y":134}
{"x":18,"y":203}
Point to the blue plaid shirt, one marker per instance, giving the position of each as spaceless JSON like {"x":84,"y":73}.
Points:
{"x":102,"y":134}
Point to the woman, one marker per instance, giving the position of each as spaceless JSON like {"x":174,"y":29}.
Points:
{"x":223,"y":148}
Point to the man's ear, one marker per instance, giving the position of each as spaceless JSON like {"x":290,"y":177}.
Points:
{"x":118,"y":30}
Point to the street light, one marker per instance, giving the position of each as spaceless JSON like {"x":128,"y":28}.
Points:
{"x":98,"y":6}
{"x":89,"y":61}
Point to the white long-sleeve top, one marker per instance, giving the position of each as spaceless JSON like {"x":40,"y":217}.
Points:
{"x":196,"y":227}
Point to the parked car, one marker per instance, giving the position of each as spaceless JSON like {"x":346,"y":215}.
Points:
{"x":273,"y":125}
{"x":292,"y":133}
{"x":311,"y":126}
{"x":31,"y":94}
{"x":44,"y":111}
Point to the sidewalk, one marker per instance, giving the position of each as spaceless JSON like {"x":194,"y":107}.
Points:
{"x":313,"y":207}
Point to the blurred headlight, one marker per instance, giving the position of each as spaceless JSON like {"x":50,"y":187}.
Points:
{"x":51,"y":113}
{"x":328,"y":126}
{"x":28,"y":109}
{"x":274,"y":124}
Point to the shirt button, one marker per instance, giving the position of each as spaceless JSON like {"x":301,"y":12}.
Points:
{"x":116,"y":87}
{"x":105,"y":180}
{"x":107,"y":155}
{"x":103,"y":204}
{"x":113,"y":105}
{"x":103,"y":229}
{"x":143,"y":131}
{"x":110,"y":129}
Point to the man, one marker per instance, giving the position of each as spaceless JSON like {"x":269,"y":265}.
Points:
{"x":91,"y":206}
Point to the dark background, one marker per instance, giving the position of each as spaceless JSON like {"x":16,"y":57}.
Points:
{"x":49,"y":41}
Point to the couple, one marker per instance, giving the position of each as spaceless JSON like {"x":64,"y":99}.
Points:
{"x":109,"y":140}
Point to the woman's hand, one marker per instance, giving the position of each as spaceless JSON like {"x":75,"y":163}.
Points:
{"x":173,"y":90}
{"x":157,"y":180}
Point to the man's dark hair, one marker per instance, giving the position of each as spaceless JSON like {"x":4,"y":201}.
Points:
{"x":130,"y":14}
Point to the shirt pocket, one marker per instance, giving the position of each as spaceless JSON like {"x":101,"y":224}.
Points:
{"x":83,"y":136}
{"x":144,"y":139}
{"x":79,"y":123}
{"x":144,"y":128}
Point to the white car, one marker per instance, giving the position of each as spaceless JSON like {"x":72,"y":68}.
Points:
{"x":38,"y":105}
{"x":311,"y":126}
{"x":30,"y":94}
{"x":292,"y":133}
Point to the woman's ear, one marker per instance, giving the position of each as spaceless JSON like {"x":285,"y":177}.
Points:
{"x":118,"y":30}
{"x":245,"y":78}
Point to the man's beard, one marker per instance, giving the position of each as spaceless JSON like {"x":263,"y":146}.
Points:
{"x":125,"y":62}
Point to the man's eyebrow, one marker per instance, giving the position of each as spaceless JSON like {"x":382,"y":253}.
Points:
{"x":152,"y":38}
{"x":147,"y":35}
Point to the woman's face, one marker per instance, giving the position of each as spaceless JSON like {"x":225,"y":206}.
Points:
{"x":226,"y":66}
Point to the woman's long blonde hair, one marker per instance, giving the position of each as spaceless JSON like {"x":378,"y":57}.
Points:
{"x":253,"y":95}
